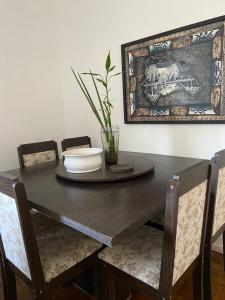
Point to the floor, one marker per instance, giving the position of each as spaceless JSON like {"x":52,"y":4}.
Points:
{"x":184,"y":293}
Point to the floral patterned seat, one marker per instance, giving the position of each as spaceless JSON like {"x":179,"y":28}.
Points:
{"x":139,"y":255}
{"x":61,"y":247}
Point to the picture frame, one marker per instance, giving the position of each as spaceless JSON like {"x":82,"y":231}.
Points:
{"x":177,"y":76}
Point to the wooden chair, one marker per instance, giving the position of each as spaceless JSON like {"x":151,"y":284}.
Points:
{"x":44,"y":261}
{"x":216,"y":217}
{"x":157,"y":222}
{"x":35,"y":154}
{"x":155,"y":262}
{"x":77,"y":142}
{"x":2,"y":273}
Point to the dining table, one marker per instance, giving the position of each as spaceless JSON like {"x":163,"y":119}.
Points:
{"x":105,"y":211}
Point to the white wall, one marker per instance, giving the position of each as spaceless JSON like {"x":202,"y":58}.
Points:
{"x":87,"y":29}
{"x":31,"y":107}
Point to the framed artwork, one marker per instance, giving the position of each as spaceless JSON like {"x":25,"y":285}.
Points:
{"x":177,"y":76}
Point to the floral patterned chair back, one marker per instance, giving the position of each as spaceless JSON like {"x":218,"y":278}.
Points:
{"x":37,"y":153}
{"x":10,"y":226}
{"x":74,"y":143}
{"x":191,"y":207}
{"x":185,"y":222}
{"x":216,"y":218}
{"x":219,"y":214}
{"x":39,"y":158}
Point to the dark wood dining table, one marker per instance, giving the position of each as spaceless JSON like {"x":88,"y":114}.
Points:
{"x":104,"y":211}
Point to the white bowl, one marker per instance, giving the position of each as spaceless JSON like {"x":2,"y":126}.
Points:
{"x":82,"y":160}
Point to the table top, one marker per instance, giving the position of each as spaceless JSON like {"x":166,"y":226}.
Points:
{"x":103,"y":211}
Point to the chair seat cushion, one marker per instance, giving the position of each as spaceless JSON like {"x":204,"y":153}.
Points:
{"x":41,"y":222}
{"x":138,"y":254}
{"x":61,"y":247}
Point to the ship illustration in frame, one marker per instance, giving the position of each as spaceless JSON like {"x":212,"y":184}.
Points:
{"x":177,"y":76}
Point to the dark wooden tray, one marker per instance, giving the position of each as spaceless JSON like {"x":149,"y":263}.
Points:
{"x":141,"y":166}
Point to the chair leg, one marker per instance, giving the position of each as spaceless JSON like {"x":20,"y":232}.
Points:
{"x":98,"y":280}
{"x":44,"y":297}
{"x":207,"y":280}
{"x":3,"y":278}
{"x":102,"y":284}
{"x":8,"y":277}
{"x":165,"y":296}
{"x":224,"y":251}
{"x":111,"y":286}
{"x":9,"y":283}
{"x":107,"y":284}
{"x":121,"y":289}
{"x":197,"y":283}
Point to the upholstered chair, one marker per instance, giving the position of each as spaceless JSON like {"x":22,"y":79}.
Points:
{"x":157,"y":222}
{"x":216,"y":217}
{"x":45,"y":260}
{"x":35,"y":154}
{"x":1,"y":270}
{"x":77,"y":142}
{"x":153,"y":261}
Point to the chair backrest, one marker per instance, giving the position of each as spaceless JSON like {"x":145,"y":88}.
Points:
{"x":37,"y":153}
{"x":185,"y":222}
{"x":216,"y":219}
{"x":77,"y":142}
{"x":16,"y":229}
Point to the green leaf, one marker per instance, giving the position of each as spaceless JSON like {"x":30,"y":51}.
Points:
{"x":112,"y":68}
{"x":116,"y":74}
{"x":99,"y":98}
{"x":102,"y":81}
{"x":102,"y":113}
{"x":87,"y":95}
{"x":94,"y":74}
{"x":108,"y":62}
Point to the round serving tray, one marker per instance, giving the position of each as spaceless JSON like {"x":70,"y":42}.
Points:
{"x":141,"y":166}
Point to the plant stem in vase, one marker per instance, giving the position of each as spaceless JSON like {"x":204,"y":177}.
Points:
{"x":110,"y":143}
{"x":109,"y":133}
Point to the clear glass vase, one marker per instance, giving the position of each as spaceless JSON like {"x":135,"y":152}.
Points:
{"x":110,"y":143}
